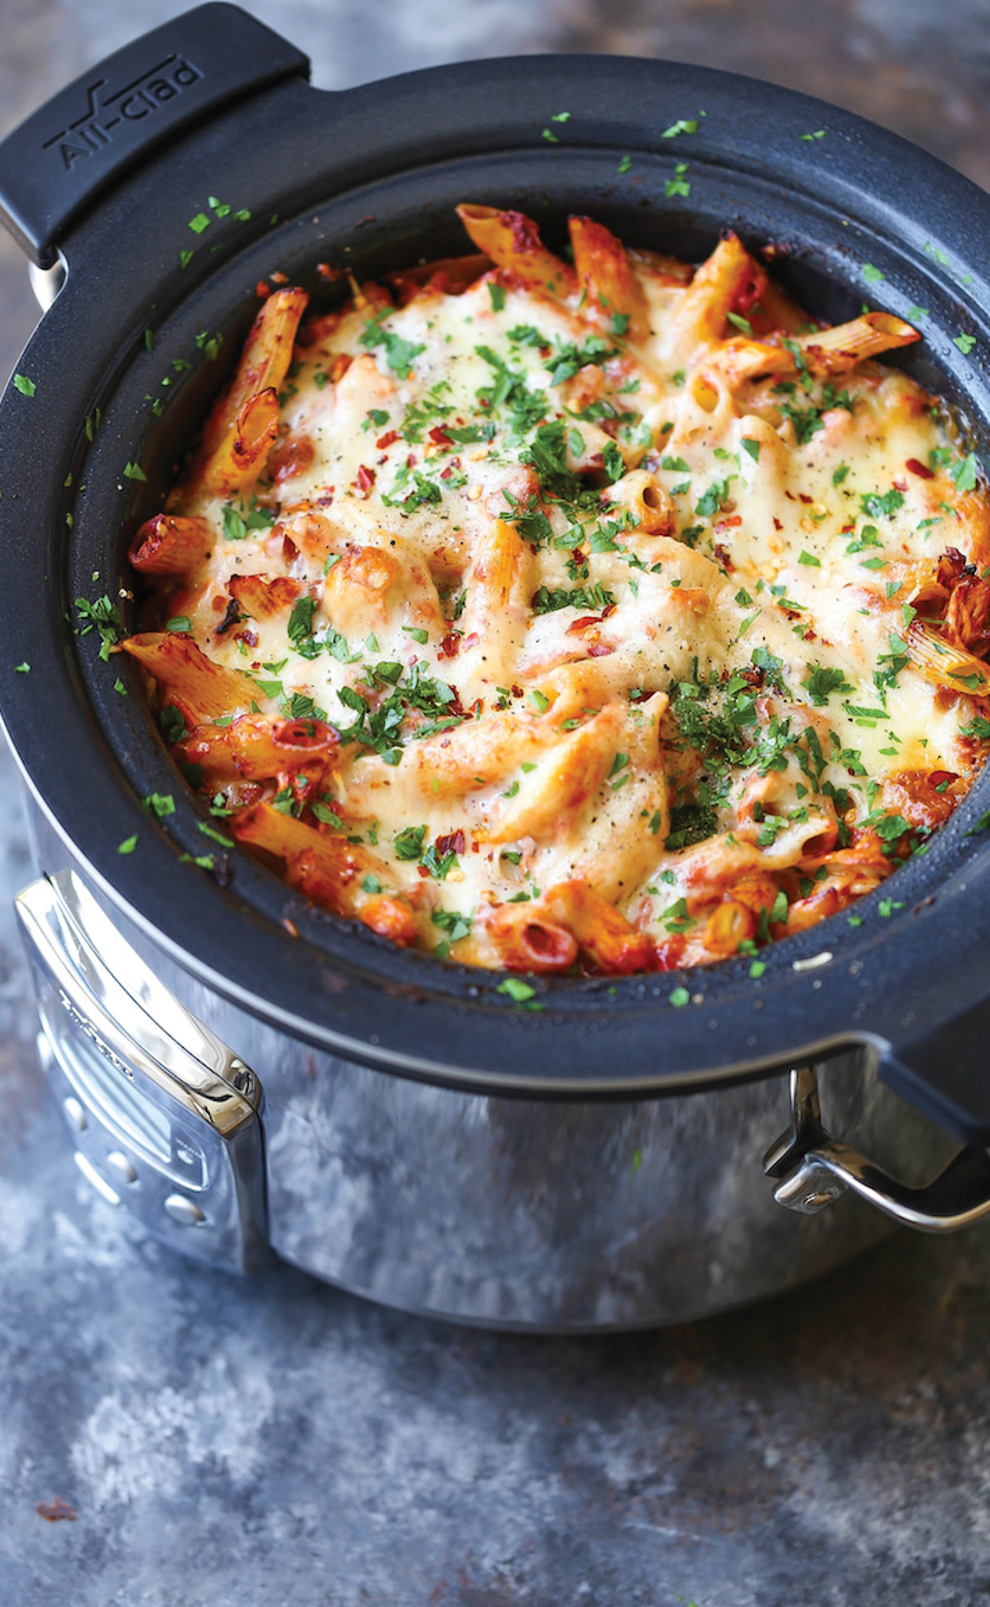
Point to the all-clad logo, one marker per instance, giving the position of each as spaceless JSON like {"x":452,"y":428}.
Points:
{"x":86,"y":1026}
{"x":93,"y":131}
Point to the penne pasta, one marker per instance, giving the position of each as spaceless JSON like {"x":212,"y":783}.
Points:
{"x":200,"y":688}
{"x":593,"y":619}
{"x":513,"y":242}
{"x":167,"y":545}
{"x":837,"y":350}
{"x":608,"y":278}
{"x":599,"y":928}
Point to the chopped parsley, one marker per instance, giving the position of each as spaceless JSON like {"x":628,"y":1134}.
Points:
{"x":399,"y":353}
{"x":820,"y":683}
{"x":678,"y":185}
{"x":548,"y":601}
{"x":102,"y":616}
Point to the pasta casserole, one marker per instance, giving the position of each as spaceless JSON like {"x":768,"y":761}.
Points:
{"x":598,"y":614}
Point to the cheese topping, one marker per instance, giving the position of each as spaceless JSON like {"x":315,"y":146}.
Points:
{"x":612,"y":616}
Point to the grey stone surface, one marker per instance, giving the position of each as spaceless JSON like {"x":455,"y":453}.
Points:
{"x":274,"y":1441}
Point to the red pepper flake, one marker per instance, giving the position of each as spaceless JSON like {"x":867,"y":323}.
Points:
{"x":262,"y":290}
{"x":453,"y":843}
{"x":937,"y":777}
{"x":920,"y":469}
{"x":423,"y":870}
{"x":900,"y":485}
{"x":329,"y":274}
{"x":729,"y":524}
{"x":599,"y":650}
{"x":472,"y":640}
{"x":440,"y":437}
{"x":248,"y":637}
{"x":387,"y":439}
{"x":364,"y":479}
{"x":450,"y":645}
{"x":583,"y":623}
{"x":290,"y":552}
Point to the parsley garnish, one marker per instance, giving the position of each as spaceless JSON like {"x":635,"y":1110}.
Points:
{"x":678,"y":185}
{"x":547,"y":601}
{"x":820,"y":683}
{"x":399,"y":353}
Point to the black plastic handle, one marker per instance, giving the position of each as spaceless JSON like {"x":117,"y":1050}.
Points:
{"x":946,"y":1074}
{"x":79,"y":142}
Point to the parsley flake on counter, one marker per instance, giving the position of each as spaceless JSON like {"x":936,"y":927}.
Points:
{"x":128,"y":845}
{"x":679,"y":998}
{"x":965,"y":343}
{"x":26,"y":386}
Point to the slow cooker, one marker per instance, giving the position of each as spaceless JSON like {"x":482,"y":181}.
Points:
{"x":250,"y":1076}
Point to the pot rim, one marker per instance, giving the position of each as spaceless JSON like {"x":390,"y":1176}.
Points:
{"x":882,"y":983}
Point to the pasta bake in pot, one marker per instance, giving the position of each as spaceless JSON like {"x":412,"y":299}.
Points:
{"x":596,"y":614}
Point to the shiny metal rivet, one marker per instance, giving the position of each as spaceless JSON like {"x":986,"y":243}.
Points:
{"x":74,"y":1114}
{"x":184,"y":1211}
{"x":121,"y":1167}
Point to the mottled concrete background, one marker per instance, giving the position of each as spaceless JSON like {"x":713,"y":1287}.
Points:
{"x":275,"y":1442}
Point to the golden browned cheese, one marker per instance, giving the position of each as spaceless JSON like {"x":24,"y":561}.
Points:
{"x":611,"y":616}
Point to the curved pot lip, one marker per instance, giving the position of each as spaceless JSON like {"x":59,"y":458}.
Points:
{"x":344,"y":990}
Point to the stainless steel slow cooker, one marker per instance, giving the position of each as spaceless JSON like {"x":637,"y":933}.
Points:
{"x":248,"y":1074}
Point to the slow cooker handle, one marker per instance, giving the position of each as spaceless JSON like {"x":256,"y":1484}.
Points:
{"x":813,"y":1170}
{"x":165,"y":1119}
{"x":59,"y":159}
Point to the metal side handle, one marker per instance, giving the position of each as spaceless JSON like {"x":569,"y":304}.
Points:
{"x":165,"y":1119}
{"x":814,"y":1170}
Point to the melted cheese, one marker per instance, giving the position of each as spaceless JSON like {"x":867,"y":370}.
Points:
{"x":721,"y":707}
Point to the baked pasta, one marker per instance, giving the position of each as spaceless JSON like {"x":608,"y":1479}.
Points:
{"x":601,"y":614}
